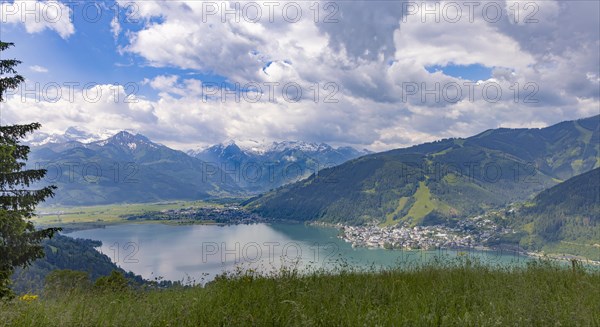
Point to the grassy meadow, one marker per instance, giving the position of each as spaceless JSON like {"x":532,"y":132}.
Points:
{"x":441,"y":294}
{"x":107,"y":213}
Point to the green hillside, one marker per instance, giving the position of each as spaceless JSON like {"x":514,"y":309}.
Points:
{"x":436,"y":181}
{"x":565,"y":218}
{"x":64,"y":252}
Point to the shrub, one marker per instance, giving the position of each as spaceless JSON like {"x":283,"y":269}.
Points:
{"x":66,"y":281}
{"x":115,"y":282}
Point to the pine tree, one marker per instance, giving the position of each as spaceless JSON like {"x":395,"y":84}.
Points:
{"x":19,"y":239}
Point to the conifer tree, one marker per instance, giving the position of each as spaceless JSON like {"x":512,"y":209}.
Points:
{"x":19,"y":239}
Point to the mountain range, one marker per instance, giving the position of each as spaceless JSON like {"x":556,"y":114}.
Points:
{"x":264,"y":167}
{"x":549,"y":178}
{"x":126,"y":168}
{"x":131,"y":168}
{"x":423,"y":184}
{"x":440,"y":181}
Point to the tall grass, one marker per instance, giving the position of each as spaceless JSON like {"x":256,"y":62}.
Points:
{"x":436,"y":294}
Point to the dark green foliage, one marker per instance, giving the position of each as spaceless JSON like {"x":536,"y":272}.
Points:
{"x":568,"y":213}
{"x":436,"y":218}
{"x":66,"y":253}
{"x":19,"y":240}
{"x":7,"y":66}
{"x":578,"y":195}
{"x":115,"y":282}
{"x":65,"y":282}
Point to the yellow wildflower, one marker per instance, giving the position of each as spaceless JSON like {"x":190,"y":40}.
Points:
{"x":28,"y":298}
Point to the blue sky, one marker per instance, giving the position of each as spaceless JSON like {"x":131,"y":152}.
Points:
{"x":357,"y":74}
{"x":91,"y":54}
{"x":474,"y":72}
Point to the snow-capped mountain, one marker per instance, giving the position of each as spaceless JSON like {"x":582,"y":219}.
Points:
{"x":127,"y":141}
{"x":133,"y":168}
{"x":256,"y":148}
{"x":251,"y":147}
{"x":299,"y":145}
{"x":126,"y":168}
{"x":271,"y":165}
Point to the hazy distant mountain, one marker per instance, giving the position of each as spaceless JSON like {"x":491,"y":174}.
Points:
{"x":126,"y":168}
{"x":131,"y":168}
{"x":260,"y":167}
{"x":432,"y":182}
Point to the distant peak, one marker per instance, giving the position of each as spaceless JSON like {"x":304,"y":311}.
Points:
{"x":126,"y":139}
{"x":299,"y":145}
{"x":254,"y":147}
{"x":230,"y":144}
{"x":126,"y":135}
{"x":123,"y":134}
{"x":75,"y":130}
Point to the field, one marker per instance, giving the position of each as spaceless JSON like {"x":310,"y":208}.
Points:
{"x":458,"y":294}
{"x":107,"y":214}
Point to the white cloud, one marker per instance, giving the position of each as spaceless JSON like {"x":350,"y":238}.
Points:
{"x":38,"y":69}
{"x":115,"y":27}
{"x":426,"y":42}
{"x":371,"y":55}
{"x":90,"y":108}
{"x":38,"y":16}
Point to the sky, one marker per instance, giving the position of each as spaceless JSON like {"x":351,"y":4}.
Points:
{"x":369,"y":74}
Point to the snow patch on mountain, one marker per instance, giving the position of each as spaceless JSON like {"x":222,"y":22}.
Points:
{"x":253,"y":147}
{"x":127,"y":140}
{"x":298,"y":145}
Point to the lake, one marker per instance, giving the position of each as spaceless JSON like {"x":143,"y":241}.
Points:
{"x":199,"y":252}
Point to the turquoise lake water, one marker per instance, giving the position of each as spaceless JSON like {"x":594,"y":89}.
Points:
{"x":199,"y":252}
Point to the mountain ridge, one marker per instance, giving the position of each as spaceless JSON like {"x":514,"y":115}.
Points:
{"x":126,"y":168}
{"x":464,"y":177}
{"x":270,"y":166}
{"x":564,"y":218}
{"x":93,"y":172}
{"x":258,"y":148}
